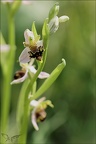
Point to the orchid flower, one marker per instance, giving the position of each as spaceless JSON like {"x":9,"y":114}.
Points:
{"x":38,"y":112}
{"x":34,"y":47}
{"x":22,"y":74}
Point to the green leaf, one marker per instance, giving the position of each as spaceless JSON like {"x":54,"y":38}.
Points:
{"x":49,"y":81}
{"x":53,"y":12}
{"x":37,"y":37}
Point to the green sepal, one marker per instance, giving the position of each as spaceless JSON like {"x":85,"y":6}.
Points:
{"x":49,"y":81}
{"x":37,"y":37}
{"x":53,"y":12}
{"x":46,"y":103}
{"x":45,"y":33}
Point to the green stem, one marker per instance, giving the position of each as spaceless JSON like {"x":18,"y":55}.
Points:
{"x":20,"y":106}
{"x":8,"y":75}
{"x":24,"y":125}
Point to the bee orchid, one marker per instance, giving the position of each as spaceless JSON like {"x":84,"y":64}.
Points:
{"x":38,"y":113}
{"x":22,"y":74}
{"x":33,"y":47}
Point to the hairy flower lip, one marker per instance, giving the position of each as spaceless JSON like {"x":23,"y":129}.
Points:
{"x":16,"y":81}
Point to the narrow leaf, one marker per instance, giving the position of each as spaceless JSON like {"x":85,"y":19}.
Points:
{"x":34,"y":30}
{"x":49,"y":81}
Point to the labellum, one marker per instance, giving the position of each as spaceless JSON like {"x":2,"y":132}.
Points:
{"x":36,"y":53}
{"x":19,"y":74}
{"x":41,"y":115}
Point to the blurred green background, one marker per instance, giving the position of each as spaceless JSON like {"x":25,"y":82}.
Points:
{"x":72,"y":121}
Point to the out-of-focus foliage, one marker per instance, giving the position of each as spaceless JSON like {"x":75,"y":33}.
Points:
{"x":73,"y":94}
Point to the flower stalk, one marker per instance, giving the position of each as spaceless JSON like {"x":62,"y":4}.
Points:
{"x":8,"y":72}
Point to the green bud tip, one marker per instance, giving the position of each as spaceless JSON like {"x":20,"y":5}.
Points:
{"x":63,"y":60}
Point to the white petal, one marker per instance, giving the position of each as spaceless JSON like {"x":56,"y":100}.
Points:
{"x":33,"y":119}
{"x":28,"y":34}
{"x":34,"y":103}
{"x":63,"y":18}
{"x":20,"y":79}
{"x":40,"y":43}
{"x":24,"y":57}
{"x":32,"y":69}
{"x":43,"y":75}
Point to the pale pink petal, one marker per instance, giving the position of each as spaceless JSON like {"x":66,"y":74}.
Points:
{"x":32,"y":69}
{"x":24,"y":57}
{"x":28,"y":34}
{"x":33,"y":119}
{"x":43,"y":75}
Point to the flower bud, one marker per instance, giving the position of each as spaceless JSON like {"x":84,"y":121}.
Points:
{"x":54,"y":24}
{"x":63,"y":18}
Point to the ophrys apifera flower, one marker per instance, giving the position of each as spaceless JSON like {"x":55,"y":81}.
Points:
{"x":33,"y":47}
{"x":38,"y":113}
{"x":22,"y":74}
